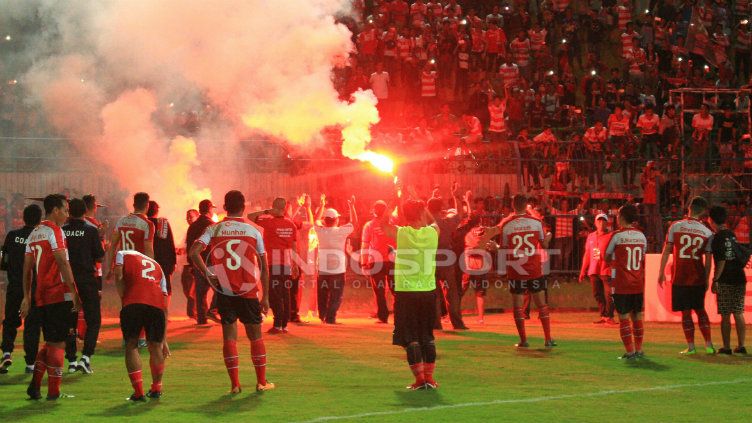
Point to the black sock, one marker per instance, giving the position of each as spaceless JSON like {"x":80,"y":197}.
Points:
{"x":429,"y":352}
{"x":414,"y":354}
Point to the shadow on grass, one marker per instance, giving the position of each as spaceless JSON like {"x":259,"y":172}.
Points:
{"x":419,"y":399}
{"x":32,"y":408}
{"x":535,"y":352}
{"x":127,"y":408}
{"x":735,"y":360}
{"x":230,"y":404}
{"x":20,"y":379}
{"x":647,"y":364}
{"x":117,"y":350}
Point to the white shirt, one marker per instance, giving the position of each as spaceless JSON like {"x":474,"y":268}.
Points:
{"x":380,"y":85}
{"x":332,"y":258}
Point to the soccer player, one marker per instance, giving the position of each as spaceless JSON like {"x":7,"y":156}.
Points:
{"x":414,"y":286}
{"x":143,"y":291}
{"x":280,"y":234}
{"x":133,"y":232}
{"x":626,"y":253}
{"x":84,"y":250}
{"x":13,"y":252}
{"x":237,"y":269}
{"x":55,"y":294}
{"x":689,"y":241}
{"x":523,"y":240}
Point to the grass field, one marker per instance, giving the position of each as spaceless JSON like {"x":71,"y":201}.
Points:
{"x":350,"y":372}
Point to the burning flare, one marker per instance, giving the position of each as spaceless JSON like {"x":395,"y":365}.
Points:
{"x":379,"y":161}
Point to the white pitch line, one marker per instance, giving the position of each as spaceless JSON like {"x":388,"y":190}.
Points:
{"x":523,"y":400}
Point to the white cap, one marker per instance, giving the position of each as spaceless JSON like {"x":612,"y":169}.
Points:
{"x":603,"y":216}
{"x":331,"y":214}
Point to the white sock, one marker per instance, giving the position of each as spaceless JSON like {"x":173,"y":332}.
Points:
{"x":30,"y":366}
{"x":6,"y":354}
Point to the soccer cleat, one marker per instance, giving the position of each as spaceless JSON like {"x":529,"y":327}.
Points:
{"x":416,"y":386}
{"x":33,"y":392}
{"x":689,"y":351}
{"x":740,"y":350}
{"x":29,"y":370}
{"x":85,"y":367}
{"x":72,"y":366}
{"x":432,"y":385}
{"x":236,"y":390}
{"x":284,"y":330}
{"x":134,"y":398}
{"x":639,"y":354}
{"x":142,"y":343}
{"x":725,"y":351}
{"x":551,"y":344}
{"x":268,"y":386}
{"x":5,"y":363}
{"x":628,"y":356}
{"x":611,"y":321}
{"x":154,"y":394}
{"x":59,"y":396}
{"x":600,"y":322}
{"x":274,"y":331}
{"x":522,"y":344}
{"x":710,"y":350}
{"x":211,"y":315}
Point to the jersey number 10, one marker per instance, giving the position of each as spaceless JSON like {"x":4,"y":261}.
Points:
{"x":634,"y":258}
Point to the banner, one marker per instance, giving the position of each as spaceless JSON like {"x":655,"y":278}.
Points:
{"x":658,"y":300}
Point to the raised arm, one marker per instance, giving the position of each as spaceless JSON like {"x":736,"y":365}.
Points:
{"x":353,"y":212}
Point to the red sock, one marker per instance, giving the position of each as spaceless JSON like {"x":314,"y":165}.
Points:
{"x":156,"y":376}
{"x":40,"y":367}
{"x":55,"y":361}
{"x":428,"y":372}
{"x":418,"y":370}
{"x":232,"y":361}
{"x":625,"y":330}
{"x":545,"y":319}
{"x":638,"y":330}
{"x":258,"y":355}
{"x":703,"y":321}
{"x":688,"y":326}
{"x":519,"y":320}
{"x":138,"y":383}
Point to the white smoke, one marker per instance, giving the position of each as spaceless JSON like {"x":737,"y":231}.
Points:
{"x":109,"y":73}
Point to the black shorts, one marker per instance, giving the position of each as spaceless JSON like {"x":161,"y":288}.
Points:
{"x":685,"y":298}
{"x":137,"y":317}
{"x":533,"y":286}
{"x":232,"y":309}
{"x":414,"y":317}
{"x":629,"y":303}
{"x":479,"y":283}
{"x":58,"y":321}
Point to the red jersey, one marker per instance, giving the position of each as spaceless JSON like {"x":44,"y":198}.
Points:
{"x":143,"y":278}
{"x":522,"y":239}
{"x":236,"y":247}
{"x":377,"y":244}
{"x":626,"y":251}
{"x":279,"y":239}
{"x":44,"y":240}
{"x":135,"y":230}
{"x":690,"y":240}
